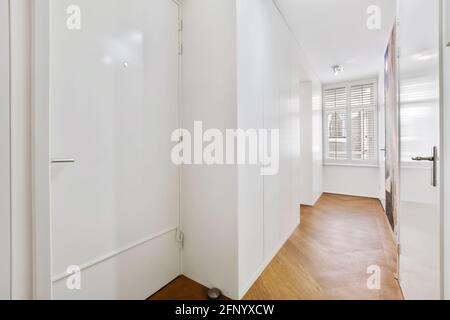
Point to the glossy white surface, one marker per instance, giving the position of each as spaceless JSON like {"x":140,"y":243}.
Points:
{"x":209,"y":197}
{"x":269,"y":66}
{"x":419,"y":203}
{"x":5,"y":205}
{"x":446,"y":142}
{"x":114,"y":105}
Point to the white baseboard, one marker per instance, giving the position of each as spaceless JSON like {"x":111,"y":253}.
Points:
{"x":266,"y":263}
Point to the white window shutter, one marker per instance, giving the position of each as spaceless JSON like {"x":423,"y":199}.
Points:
{"x":350,"y":123}
{"x":335,"y":105}
{"x":363,"y":122}
{"x":336,"y":135}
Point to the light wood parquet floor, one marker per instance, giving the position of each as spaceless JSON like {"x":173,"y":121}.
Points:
{"x":326,"y":258}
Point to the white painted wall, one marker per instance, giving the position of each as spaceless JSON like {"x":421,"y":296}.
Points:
{"x":5,"y":208}
{"x":362,"y":181}
{"x":317,"y":139}
{"x":310,"y":142}
{"x":209,"y":193}
{"x":351,"y":180}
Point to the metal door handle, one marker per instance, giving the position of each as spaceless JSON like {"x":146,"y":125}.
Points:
{"x":434,"y":159}
{"x":423,"y":158}
{"x":63,"y":160}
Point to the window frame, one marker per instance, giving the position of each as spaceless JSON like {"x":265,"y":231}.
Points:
{"x":349,"y":161}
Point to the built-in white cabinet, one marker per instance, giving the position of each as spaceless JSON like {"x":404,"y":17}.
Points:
{"x":241,"y":69}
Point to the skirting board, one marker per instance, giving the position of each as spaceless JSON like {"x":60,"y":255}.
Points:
{"x":258,"y":273}
{"x":266,"y":263}
{"x":313,"y":203}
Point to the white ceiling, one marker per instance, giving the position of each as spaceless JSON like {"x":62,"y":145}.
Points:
{"x":333,"y":32}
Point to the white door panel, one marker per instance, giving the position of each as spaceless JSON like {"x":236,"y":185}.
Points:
{"x":419,"y":204}
{"x":446,"y":146}
{"x":114,"y":105}
{"x":5,"y":209}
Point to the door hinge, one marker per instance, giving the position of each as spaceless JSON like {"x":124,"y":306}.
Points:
{"x":399,"y":249}
{"x":180,"y":25}
{"x":396,"y":276}
{"x":180,"y":238}
{"x":180,"y":49}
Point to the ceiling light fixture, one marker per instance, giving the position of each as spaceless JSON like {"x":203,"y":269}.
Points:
{"x":337,"y":69}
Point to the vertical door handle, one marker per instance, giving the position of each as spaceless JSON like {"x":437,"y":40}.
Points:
{"x":434,"y":159}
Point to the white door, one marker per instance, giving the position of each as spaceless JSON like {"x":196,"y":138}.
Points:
{"x":5,"y":210}
{"x":446,"y":146}
{"x":419,"y":203}
{"x":113,"y":106}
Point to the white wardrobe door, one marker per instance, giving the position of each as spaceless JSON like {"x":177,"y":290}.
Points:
{"x":5,"y":209}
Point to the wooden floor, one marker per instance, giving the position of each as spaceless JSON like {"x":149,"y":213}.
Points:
{"x":183,"y":288}
{"x":326,"y":258}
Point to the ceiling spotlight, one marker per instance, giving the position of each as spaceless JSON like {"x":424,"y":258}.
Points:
{"x":337,"y":69}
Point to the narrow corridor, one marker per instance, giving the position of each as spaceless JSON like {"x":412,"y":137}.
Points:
{"x":328,"y":256}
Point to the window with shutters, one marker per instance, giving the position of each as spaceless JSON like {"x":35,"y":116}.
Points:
{"x":350,"y":123}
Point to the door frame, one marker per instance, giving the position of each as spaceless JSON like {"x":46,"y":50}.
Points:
{"x":41,"y":148}
{"x":5,"y":155}
{"x":442,"y":143}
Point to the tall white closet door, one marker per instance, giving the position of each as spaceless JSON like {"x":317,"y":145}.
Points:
{"x":114,"y":105}
{"x":5,"y":210}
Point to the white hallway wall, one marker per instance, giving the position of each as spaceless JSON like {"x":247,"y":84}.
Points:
{"x":355,"y":181}
{"x":311,"y":184}
{"x":362,"y":181}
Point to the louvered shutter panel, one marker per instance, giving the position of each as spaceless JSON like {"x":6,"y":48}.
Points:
{"x":335,"y":105}
{"x":363,"y":122}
